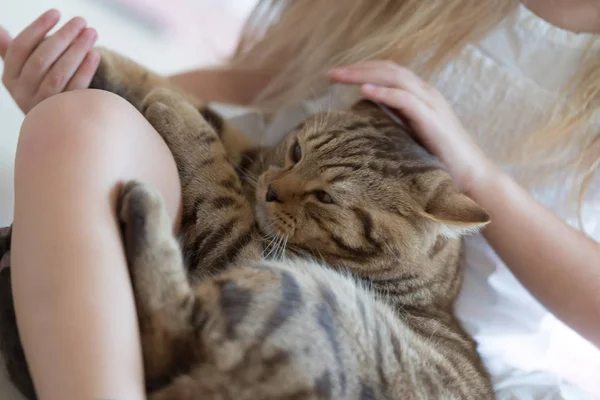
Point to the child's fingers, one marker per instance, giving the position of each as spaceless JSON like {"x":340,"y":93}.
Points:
{"x":84,"y":74}
{"x":5,"y":41}
{"x":382,"y":73}
{"x":36,"y":68}
{"x":385,"y":73}
{"x":410,"y":106}
{"x":61,"y":73}
{"x":23,"y":45}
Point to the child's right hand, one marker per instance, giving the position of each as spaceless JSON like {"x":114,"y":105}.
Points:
{"x":37,"y":67}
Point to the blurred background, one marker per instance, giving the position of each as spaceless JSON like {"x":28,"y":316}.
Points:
{"x":168,"y":36}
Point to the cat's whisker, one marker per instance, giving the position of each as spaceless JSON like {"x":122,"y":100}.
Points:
{"x":329,"y":105}
{"x":283,"y":247}
{"x":263,"y":255}
{"x":280,"y":248}
{"x":324,"y":115}
{"x":248,"y":175}
{"x":316,"y":126}
{"x":273,"y":246}
{"x":321,"y":118}
{"x":267,"y":247}
{"x":268,"y":231}
{"x":276,"y":248}
{"x":271,"y":230}
{"x":321,"y":258}
{"x":313,"y":127}
{"x":304,"y":112}
{"x":268,"y":239}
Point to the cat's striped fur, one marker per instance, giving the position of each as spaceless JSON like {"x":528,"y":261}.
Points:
{"x":351,"y":189}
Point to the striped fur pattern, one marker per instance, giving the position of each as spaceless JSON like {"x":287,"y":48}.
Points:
{"x":369,"y":318}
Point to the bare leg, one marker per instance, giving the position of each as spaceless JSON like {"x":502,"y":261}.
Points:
{"x":72,"y":293}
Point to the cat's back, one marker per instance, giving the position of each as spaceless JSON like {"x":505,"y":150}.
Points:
{"x":298,"y":330}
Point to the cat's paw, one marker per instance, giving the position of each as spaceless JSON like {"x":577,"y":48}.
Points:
{"x":143,"y":216}
{"x":162,"y":95}
{"x":160,"y":109}
{"x":169,"y":111}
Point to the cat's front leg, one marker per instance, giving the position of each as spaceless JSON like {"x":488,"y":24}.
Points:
{"x":132,"y":81}
{"x":166,"y":306}
{"x":217,"y":227}
{"x":122,"y":76}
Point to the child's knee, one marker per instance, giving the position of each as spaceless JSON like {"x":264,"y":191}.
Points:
{"x":89,"y":140}
{"x":86,"y":130}
{"x":71,"y":118}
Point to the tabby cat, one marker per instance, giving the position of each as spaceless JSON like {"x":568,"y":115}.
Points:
{"x":371,"y":318}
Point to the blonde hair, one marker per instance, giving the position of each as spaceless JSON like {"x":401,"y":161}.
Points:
{"x":300,"y":40}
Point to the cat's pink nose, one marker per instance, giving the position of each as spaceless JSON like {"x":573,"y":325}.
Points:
{"x":272,"y":196}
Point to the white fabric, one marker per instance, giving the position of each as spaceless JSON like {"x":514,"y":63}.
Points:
{"x":502,"y":89}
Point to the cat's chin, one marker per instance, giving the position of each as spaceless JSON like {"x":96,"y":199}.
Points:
{"x":264,"y":222}
{"x":268,"y":225}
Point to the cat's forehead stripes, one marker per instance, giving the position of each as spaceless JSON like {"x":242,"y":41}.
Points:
{"x":380,"y":147}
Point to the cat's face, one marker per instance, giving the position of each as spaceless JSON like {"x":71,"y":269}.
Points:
{"x":354,"y":186}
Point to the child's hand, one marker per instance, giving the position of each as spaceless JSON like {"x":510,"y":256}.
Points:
{"x":37,"y":67}
{"x":426,"y":110}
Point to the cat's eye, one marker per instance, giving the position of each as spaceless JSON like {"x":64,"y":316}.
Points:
{"x":323,"y":196}
{"x":296,"y":154}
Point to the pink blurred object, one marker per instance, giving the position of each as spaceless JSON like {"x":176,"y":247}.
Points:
{"x":156,"y":11}
{"x":213,"y":25}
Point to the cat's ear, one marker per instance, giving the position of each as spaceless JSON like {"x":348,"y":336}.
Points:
{"x":456,"y":213}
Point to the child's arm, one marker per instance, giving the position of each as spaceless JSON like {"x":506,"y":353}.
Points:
{"x":223,"y":85}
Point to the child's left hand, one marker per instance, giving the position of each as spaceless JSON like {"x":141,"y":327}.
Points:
{"x":427,"y":112}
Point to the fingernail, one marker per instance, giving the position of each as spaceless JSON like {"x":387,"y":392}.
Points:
{"x":367,"y":87}
{"x":51,"y":14}
{"x":5,"y":41}
{"x":78,"y":23}
{"x":90,"y":34}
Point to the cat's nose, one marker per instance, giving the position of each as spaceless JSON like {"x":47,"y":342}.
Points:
{"x":272,"y":196}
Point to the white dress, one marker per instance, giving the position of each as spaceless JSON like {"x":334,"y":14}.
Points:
{"x":502,"y":89}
